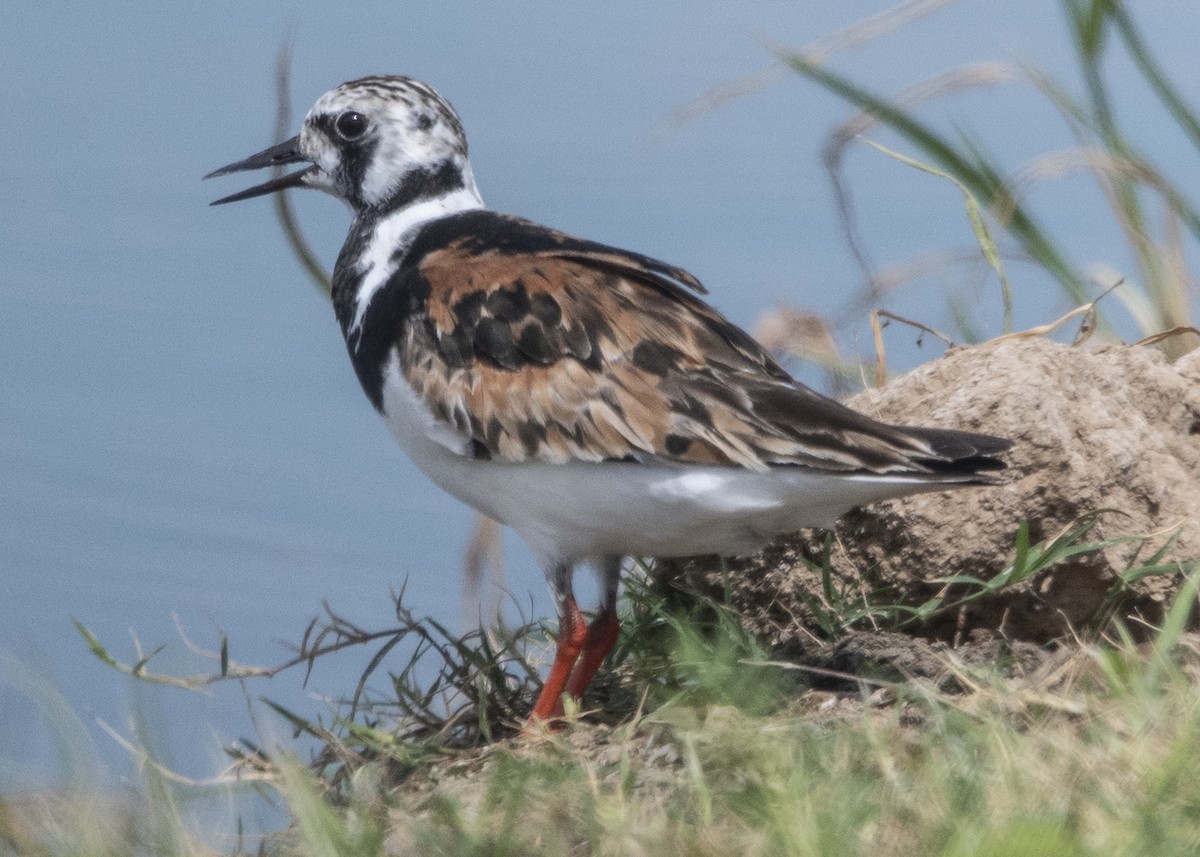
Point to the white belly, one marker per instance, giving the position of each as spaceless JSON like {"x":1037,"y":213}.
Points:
{"x":577,"y":511}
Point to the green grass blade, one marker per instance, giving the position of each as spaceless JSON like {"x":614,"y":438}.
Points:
{"x":981,"y":177}
{"x":1178,"y":618}
{"x":1183,"y":114}
{"x":93,"y":643}
{"x":983,"y":235}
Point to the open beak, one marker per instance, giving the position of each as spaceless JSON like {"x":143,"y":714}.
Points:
{"x":287,"y":152}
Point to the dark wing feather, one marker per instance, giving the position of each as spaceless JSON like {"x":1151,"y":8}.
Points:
{"x":540,"y":347}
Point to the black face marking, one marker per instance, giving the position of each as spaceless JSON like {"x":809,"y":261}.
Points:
{"x":356,"y":149}
{"x":354,"y":156}
{"x":324,"y":123}
{"x":424,"y":121}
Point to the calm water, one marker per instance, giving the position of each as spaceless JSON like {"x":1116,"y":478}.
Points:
{"x":180,"y":430}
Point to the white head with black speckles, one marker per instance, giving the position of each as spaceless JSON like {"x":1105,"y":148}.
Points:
{"x":383,"y":143}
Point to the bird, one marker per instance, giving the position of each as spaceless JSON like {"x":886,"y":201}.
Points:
{"x":586,"y":396}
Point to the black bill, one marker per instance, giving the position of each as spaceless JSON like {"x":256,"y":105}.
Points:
{"x":287,"y":152}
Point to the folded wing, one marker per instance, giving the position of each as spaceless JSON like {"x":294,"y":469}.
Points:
{"x":537,"y":346}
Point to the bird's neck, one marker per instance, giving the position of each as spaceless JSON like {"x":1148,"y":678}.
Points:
{"x":376,"y":246}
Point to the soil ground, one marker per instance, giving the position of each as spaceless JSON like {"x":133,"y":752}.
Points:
{"x":1112,"y":432}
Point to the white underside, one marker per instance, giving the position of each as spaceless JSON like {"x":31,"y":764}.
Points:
{"x":582,"y":511}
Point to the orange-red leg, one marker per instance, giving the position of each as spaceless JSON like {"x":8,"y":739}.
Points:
{"x":601,"y":637}
{"x":572,"y":635}
{"x":581,"y":648}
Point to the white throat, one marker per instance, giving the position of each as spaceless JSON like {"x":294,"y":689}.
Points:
{"x":393,"y":234}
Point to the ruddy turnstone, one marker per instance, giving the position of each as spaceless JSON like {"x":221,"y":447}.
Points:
{"x":583,"y":395}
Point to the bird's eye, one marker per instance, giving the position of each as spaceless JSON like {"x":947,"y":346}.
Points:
{"x":351,"y":125}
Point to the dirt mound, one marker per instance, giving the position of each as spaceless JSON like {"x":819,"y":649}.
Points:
{"x":1113,"y":428}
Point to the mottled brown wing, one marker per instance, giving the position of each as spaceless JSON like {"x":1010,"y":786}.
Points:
{"x":569,"y":354}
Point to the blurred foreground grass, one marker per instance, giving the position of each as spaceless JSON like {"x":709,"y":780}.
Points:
{"x":1092,"y":754}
